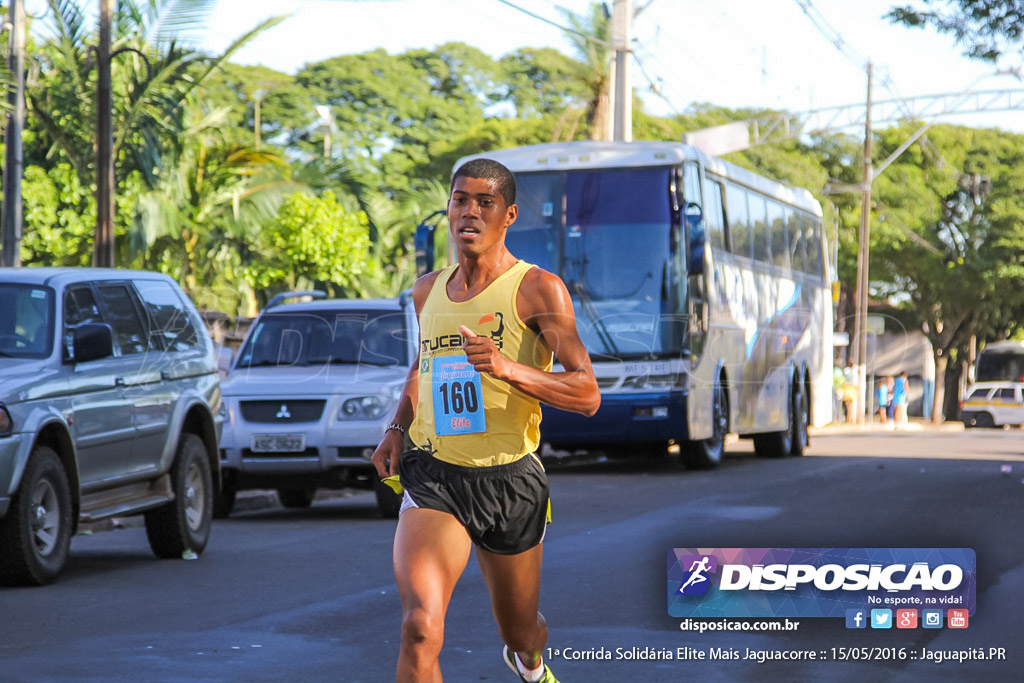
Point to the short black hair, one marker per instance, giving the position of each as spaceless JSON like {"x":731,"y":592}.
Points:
{"x":488,"y":169}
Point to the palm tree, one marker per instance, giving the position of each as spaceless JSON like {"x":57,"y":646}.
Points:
{"x":200,"y":218}
{"x":591,"y":37}
{"x":153,"y":78}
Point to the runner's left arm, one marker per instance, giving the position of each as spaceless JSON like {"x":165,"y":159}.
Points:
{"x":544,"y":305}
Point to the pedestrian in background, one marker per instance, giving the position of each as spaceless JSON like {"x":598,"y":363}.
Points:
{"x":882,"y":396}
{"x":890,"y":407}
{"x":900,"y":400}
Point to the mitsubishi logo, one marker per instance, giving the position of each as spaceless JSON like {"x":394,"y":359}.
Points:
{"x":283,"y":414}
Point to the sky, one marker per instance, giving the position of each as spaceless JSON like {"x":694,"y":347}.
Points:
{"x":734,"y":53}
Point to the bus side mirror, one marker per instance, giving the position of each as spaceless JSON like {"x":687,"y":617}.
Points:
{"x":695,"y":229}
{"x":423,"y":242}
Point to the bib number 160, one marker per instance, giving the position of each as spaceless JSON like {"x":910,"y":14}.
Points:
{"x":459,"y":397}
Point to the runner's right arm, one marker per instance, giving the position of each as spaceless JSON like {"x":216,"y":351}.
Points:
{"x":385,"y":457}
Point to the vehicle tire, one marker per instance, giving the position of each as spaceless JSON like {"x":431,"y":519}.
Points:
{"x":705,"y":454}
{"x":799,"y":418}
{"x":984,"y":421}
{"x":224,"y":502}
{"x":35,"y":534}
{"x":296,"y":499}
{"x":781,"y":444}
{"x":184,"y":523}
{"x":389,"y":503}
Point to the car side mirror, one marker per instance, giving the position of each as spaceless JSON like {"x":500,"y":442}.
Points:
{"x":93,"y":341}
{"x":224,"y":357}
{"x":695,"y":229}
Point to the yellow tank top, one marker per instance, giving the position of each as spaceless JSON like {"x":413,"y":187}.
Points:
{"x":462,"y":416}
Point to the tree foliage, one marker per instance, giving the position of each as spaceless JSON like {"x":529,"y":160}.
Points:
{"x":313,"y":239}
{"x":985,"y":29}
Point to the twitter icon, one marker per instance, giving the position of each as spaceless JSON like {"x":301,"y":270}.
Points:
{"x":881,"y":618}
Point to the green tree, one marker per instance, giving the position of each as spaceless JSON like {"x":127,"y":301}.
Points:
{"x":985,"y":29}
{"x":591,"y":37}
{"x":389,"y":109}
{"x":314,"y":239}
{"x":211,"y":201}
{"x":951,"y":242}
{"x":153,"y":76}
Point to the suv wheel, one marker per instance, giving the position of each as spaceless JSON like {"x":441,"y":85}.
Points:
{"x":35,"y":535}
{"x":184,"y":523}
{"x":296,"y":498}
{"x":389,"y":503}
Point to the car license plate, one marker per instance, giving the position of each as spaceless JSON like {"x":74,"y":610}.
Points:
{"x":278,"y":443}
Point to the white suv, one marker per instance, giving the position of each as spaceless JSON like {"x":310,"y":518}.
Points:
{"x":309,"y":395}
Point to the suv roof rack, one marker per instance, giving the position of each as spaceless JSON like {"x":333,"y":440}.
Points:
{"x":285,"y":296}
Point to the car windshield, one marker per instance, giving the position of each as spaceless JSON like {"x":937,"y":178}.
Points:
{"x":26,"y":321}
{"x":368,"y":337}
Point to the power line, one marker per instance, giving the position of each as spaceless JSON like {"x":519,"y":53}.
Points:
{"x":655,"y":88}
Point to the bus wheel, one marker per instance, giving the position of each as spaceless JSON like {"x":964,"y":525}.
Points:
{"x":798,"y":418}
{"x":781,"y":444}
{"x":705,"y":454}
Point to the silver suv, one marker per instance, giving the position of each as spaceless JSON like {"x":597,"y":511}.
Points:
{"x":109,"y":404}
{"x":310,"y":394}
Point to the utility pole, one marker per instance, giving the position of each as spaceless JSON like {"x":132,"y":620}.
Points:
{"x":622,"y":17}
{"x":10,"y":245}
{"x":103,"y":246}
{"x":861,"y":347}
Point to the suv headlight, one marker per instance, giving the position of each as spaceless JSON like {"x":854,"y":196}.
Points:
{"x":6,"y":423}
{"x":364,"y":408}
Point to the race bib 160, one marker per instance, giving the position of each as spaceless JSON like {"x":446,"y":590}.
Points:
{"x":458,"y":397}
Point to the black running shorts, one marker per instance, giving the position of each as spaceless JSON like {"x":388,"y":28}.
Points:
{"x":504,"y":508}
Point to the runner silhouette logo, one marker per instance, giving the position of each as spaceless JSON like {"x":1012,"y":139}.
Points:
{"x":696,"y":580}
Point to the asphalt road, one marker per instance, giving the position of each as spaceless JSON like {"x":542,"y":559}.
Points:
{"x":284,"y":595}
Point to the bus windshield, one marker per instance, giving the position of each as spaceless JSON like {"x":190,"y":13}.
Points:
{"x":616,"y":254}
{"x":1004,"y":363}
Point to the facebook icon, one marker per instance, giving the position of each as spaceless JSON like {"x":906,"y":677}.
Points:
{"x":856,"y":618}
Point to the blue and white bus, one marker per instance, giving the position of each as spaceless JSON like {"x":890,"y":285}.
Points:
{"x":700,"y":289}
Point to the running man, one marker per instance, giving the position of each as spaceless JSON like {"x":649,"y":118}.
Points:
{"x":697,"y":576}
{"x":489,"y":326}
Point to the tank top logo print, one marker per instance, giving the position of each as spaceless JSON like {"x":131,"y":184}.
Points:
{"x":491,"y":325}
{"x":457,"y":394}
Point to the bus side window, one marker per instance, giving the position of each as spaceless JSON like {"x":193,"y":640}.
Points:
{"x":738,"y":224}
{"x":759,"y":228}
{"x":777,"y":230}
{"x":713,"y":216}
{"x":812,"y":241}
{"x":796,"y":241}
{"x":691,"y":183}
